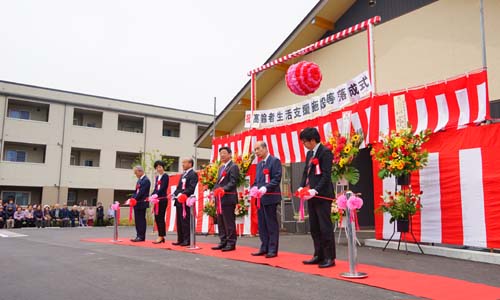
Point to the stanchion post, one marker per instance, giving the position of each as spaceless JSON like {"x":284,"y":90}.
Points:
{"x":192,"y":229}
{"x":115,"y":227}
{"x":351,"y":245}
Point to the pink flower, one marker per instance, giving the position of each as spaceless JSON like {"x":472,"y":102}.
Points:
{"x":354,"y":203}
{"x":342,"y":202}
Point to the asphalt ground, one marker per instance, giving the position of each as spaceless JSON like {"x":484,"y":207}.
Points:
{"x":53,"y":263}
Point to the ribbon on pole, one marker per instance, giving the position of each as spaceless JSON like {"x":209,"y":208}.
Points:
{"x":191,"y":201}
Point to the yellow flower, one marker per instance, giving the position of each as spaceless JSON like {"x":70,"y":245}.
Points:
{"x":355,"y":138}
{"x":401,"y":165}
{"x":417,"y":164}
{"x":398,"y":142}
{"x":394,"y":154}
{"x":414,"y":155}
{"x":347,"y":148}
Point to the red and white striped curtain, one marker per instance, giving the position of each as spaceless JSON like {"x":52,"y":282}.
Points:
{"x":461,"y":190}
{"x":452,"y":104}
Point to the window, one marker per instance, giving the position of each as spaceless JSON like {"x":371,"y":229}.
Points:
{"x":20,"y":198}
{"x":13,"y":155}
{"x":200,"y":163}
{"x":201,"y":129}
{"x":174,"y":166}
{"x":172,"y":129}
{"x":130,"y":123}
{"x":19,"y":114}
{"x":24,"y":152}
{"x":85,"y":157}
{"x":125,"y":160}
{"x":27,"y":110}
{"x":87,"y":118}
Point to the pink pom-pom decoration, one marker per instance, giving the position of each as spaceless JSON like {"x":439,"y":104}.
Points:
{"x":354,"y":203}
{"x":254,"y":192}
{"x":303,"y":78}
{"x":115,"y":206}
{"x":191,"y":201}
{"x":342,"y":202}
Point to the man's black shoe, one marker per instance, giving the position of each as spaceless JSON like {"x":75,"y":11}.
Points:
{"x":313,"y":261}
{"x":327,"y":263}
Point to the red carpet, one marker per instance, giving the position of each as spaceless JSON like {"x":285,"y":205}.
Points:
{"x":417,"y":284}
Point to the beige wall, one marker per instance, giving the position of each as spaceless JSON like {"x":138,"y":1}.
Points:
{"x":93,"y":155}
{"x":105,"y":196}
{"x":435,"y":42}
{"x":50,"y":194}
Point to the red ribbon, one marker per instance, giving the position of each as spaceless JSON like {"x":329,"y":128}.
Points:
{"x":315,"y":162}
{"x":266,"y":174}
{"x":132,"y":202}
{"x":219,"y":193}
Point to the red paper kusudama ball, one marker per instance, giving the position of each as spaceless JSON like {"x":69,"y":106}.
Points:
{"x":303,"y":78}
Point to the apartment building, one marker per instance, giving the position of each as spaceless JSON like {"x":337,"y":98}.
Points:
{"x":70,"y":148}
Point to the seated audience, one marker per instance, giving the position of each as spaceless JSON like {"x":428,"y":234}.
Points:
{"x":74,"y":215}
{"x":19,"y":217}
{"x":39,"y":219}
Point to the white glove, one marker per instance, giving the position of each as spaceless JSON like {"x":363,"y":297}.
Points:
{"x":154,"y":196}
{"x":299,"y":189}
{"x":313,"y":192}
{"x":127,"y":202}
{"x":262,"y":190}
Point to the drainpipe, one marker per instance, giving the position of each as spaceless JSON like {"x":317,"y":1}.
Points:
{"x":2,"y":142}
{"x":62,"y":154}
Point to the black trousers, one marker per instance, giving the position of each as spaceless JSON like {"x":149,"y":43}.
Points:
{"x":160,"y":217}
{"x":321,"y":228}
{"x":140,"y":222}
{"x":268,"y":228}
{"x":183,"y":235}
{"x":226,"y":223}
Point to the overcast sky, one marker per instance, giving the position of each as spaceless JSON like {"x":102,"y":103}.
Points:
{"x":171,"y":53}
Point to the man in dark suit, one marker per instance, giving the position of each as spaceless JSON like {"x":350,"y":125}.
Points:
{"x":268,"y":179}
{"x":317,"y":176}
{"x":227,"y":180}
{"x":187,"y":186}
{"x":140,"y":194}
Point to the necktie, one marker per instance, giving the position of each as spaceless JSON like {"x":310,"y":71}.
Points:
{"x":310,"y":155}
{"x":221,"y":170}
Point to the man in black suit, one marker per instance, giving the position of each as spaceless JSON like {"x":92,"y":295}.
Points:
{"x":226,"y":221}
{"x":187,"y":186}
{"x":140,"y":194}
{"x":320,"y":184}
{"x":268,"y":179}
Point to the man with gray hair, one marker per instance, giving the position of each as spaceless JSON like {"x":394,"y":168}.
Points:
{"x":268,"y":180}
{"x":140,"y":194}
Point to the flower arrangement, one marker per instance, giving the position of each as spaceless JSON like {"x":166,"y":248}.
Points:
{"x":344,"y":150}
{"x":401,"y":153}
{"x":209,"y":209}
{"x":208,"y":175}
{"x":241,"y":208}
{"x":243,"y":162}
{"x":401,"y":205}
{"x":336,"y":213}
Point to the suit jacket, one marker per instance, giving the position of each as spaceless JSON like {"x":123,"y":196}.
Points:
{"x":321,"y":183}
{"x":273,"y":164}
{"x":161,"y":190}
{"x":141,"y":192}
{"x":229,"y":184}
{"x":191,"y":182}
